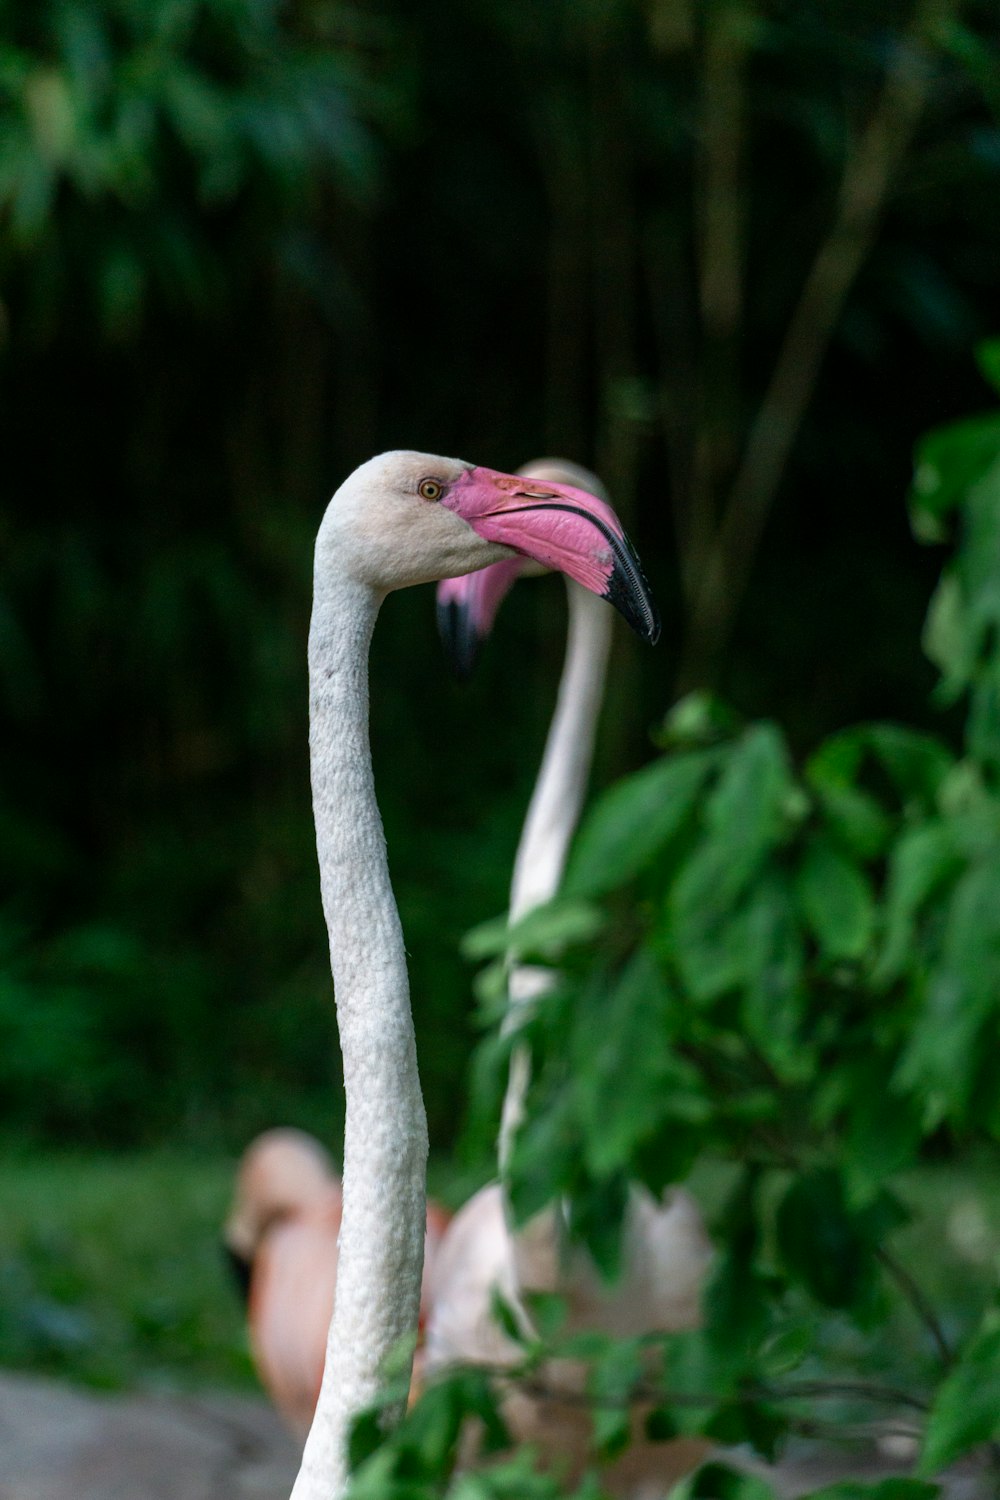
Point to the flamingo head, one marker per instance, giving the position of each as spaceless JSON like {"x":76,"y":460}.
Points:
{"x":467,"y":605}
{"x":405,"y":518}
{"x":282,"y":1173}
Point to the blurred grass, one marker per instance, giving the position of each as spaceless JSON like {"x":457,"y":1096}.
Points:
{"x":111,"y":1272}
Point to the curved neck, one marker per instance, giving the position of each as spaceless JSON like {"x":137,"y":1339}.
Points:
{"x":385,"y":1138}
{"x":553,"y":814}
{"x":555,"y":805}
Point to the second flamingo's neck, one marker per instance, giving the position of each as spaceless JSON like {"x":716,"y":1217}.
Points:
{"x":555,"y":805}
{"x":554,"y":812}
{"x":385,"y":1140}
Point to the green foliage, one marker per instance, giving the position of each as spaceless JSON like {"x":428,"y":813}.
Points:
{"x":717,"y":1481}
{"x":635,"y":822}
{"x":103,"y":104}
{"x":966,"y":1411}
{"x":111,"y":1270}
{"x":796,"y":973}
{"x":416,"y":1463}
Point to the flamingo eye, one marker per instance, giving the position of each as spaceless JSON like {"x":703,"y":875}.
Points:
{"x":430,"y":489}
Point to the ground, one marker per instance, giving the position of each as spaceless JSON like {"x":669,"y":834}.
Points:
{"x":58,"y":1443}
{"x":61,"y":1443}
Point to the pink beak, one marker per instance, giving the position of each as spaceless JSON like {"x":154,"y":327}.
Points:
{"x":560,"y":527}
{"x":467,"y":607}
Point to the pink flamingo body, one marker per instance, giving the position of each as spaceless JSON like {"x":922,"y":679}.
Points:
{"x":284,"y":1227}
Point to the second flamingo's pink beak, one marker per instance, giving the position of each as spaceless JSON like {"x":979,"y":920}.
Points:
{"x":562,"y":528}
{"x":467,"y":607}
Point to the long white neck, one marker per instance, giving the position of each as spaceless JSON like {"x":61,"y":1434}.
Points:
{"x":385,"y":1141}
{"x":555,"y":805}
{"x":554,"y":812}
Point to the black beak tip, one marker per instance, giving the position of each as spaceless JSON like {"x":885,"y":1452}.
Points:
{"x":240,"y":1269}
{"x":630,"y":594}
{"x":459,"y":638}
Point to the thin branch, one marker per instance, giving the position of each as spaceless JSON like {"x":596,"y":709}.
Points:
{"x":918,"y":1301}
{"x":720,"y":269}
{"x":720,"y":276}
{"x":868,"y":1390}
{"x":533,"y":1383}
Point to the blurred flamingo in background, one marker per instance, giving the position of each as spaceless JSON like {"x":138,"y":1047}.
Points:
{"x":281,"y":1238}
{"x":665,"y":1250}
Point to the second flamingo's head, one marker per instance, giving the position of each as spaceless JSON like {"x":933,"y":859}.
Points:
{"x":406,"y":518}
{"x":467,"y":605}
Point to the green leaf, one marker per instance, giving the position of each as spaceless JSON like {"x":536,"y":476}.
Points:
{"x":545,"y":1158}
{"x":947,"y":463}
{"x":633,"y":821}
{"x":610,"y":1385}
{"x":506,"y":1317}
{"x":668,"y":1156}
{"x":923,"y":859}
{"x":737,"y":1301}
{"x":747,"y":1421}
{"x":660,"y":1425}
{"x":963,"y":627}
{"x":988,"y":357}
{"x":854,"y":818}
{"x":746,"y":817}
{"x":882,"y":1133}
{"x":822,"y":1243}
{"x":596,"y":1212}
{"x":626,"y":1075}
{"x":547,"y":1311}
{"x":737,"y":1309}
{"x":365,"y":1437}
{"x":747,"y":807}
{"x":787,"y":1348}
{"x":716,"y":1481}
{"x":836,"y":900}
{"x":699,"y":718}
{"x":773,"y":999}
{"x":433,"y":1426}
{"x":946,"y":638}
{"x":478,"y":1398}
{"x":962,"y":994}
{"x":966,"y":1410}
{"x":544,"y":932}
{"x":915,"y":763}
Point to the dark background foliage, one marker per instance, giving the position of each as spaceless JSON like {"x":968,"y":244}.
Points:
{"x":735,"y":256}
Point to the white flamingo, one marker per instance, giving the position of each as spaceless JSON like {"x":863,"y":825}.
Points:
{"x":402,"y":518}
{"x":665,"y":1247}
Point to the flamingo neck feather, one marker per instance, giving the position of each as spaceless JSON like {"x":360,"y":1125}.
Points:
{"x":555,"y":805}
{"x":385,"y":1141}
